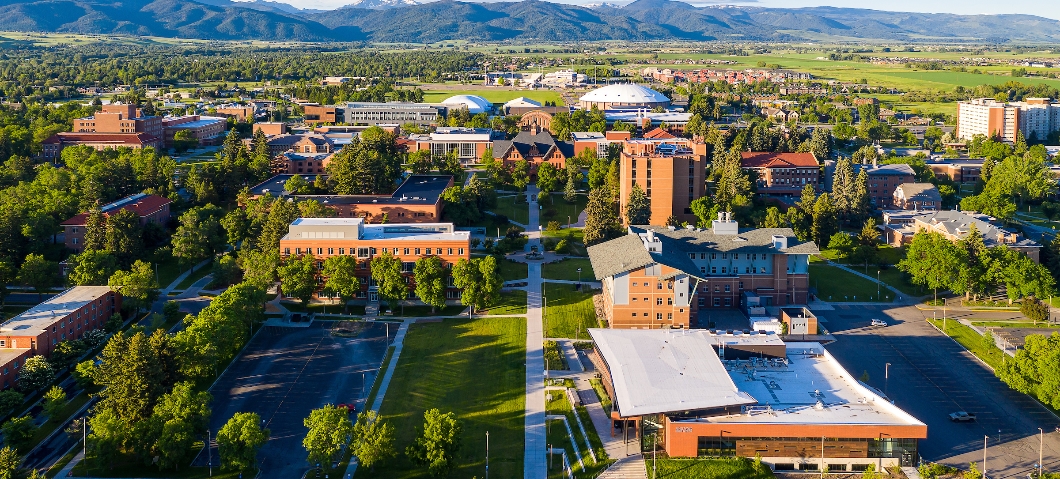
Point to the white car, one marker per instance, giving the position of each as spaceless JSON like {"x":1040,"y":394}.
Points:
{"x":878,"y":322}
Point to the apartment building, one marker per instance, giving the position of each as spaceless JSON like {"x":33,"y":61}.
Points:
{"x":663,"y":277}
{"x":963,"y":170}
{"x":374,"y":113}
{"x":208,"y":130}
{"x":597,"y":142}
{"x":791,"y":405}
{"x":52,"y":148}
{"x":672,"y":173}
{"x":67,"y":315}
{"x":150,"y":209}
{"x":468,"y":143}
{"x":782,"y":175}
{"x":417,"y":200}
{"x":326,"y":237}
{"x":1037,"y":117}
{"x":882,"y":180}
{"x":119,"y":118}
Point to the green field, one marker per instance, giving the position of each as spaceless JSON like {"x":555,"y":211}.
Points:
{"x":568,"y":270}
{"x":514,"y":208}
{"x":971,"y":341}
{"x":511,"y":271}
{"x":497,"y":95}
{"x":474,"y":369}
{"x":731,"y":468}
{"x":511,"y":302}
{"x":568,"y":313}
{"x":834,"y":284}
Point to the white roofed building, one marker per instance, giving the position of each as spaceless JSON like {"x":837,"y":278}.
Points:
{"x":623,"y":96}
{"x":473,"y":103}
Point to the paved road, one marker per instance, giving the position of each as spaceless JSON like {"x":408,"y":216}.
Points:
{"x":932,"y":376}
{"x":287,"y":372}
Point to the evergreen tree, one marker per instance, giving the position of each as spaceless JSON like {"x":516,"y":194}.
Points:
{"x":774,"y":219}
{"x":808,"y":199}
{"x":570,"y":191}
{"x":842,"y":187}
{"x":95,"y":231}
{"x":638,"y":207}
{"x":601,"y":219}
{"x":733,"y":188}
{"x":859,"y":200}
{"x":821,"y":144}
{"x":824,"y":220}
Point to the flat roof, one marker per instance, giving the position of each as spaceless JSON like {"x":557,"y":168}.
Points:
{"x":416,"y":190}
{"x":44,"y":314}
{"x":663,"y":370}
{"x":355,"y":229}
{"x":810,"y":388}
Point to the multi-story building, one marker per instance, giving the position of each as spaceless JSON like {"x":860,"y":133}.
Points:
{"x":663,"y":277}
{"x":883,"y":179}
{"x":326,"y":237}
{"x":672,"y":173}
{"x":374,"y":113}
{"x":270,"y":128}
{"x":417,"y":200}
{"x":535,"y":147}
{"x":65,"y":316}
{"x":119,"y":118}
{"x":900,"y":227}
{"x":599,"y":143}
{"x":296,"y":163}
{"x":917,"y":196}
{"x":239,"y":112}
{"x":468,"y":143}
{"x":208,"y":130}
{"x":150,"y":209}
{"x":1034,"y":117}
{"x":963,"y":170}
{"x":717,"y":394}
{"x":52,"y":148}
{"x":782,"y":175}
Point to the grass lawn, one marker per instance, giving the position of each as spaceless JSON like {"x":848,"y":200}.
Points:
{"x":514,"y":208}
{"x":568,"y":270}
{"x":1014,"y":324}
{"x":512,"y":302}
{"x":127,"y":466}
{"x":568,"y":313}
{"x":558,"y":435}
{"x":511,"y":271}
{"x":971,"y":341}
{"x":834,"y":284}
{"x":730,"y":468}
{"x":605,"y":400}
{"x":61,"y":463}
{"x":558,"y":209}
{"x":900,"y":280}
{"x":168,"y":269}
{"x":574,"y":236}
{"x":379,"y":378}
{"x":474,"y":369}
{"x":195,"y":276}
{"x":423,"y":310}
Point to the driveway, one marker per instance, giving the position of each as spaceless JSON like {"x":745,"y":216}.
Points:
{"x":287,"y":372}
{"x":931,"y":376}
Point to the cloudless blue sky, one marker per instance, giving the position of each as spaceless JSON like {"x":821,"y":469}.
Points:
{"x":1045,"y":8}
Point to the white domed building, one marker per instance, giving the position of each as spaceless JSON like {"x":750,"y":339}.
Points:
{"x":473,"y":103}
{"x":623,"y":96}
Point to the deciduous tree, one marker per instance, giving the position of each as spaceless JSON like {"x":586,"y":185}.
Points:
{"x":373,"y":439}
{"x":341,"y":274}
{"x":386,"y":271}
{"x":239,"y":441}
{"x":431,"y":278}
{"x":137,"y":286}
{"x":329,"y":427}
{"x":298,"y":277}
{"x":437,"y":444}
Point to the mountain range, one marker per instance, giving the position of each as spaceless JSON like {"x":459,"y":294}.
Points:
{"x":527,"y":20}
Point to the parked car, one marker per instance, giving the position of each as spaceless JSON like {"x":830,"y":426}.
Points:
{"x":878,"y":323}
{"x":962,"y":416}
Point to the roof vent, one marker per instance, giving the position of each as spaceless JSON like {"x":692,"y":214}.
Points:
{"x":819,"y":405}
{"x":725,"y":225}
{"x":780,"y":242}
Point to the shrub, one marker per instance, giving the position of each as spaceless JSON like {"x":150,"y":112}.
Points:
{"x":563,"y":247}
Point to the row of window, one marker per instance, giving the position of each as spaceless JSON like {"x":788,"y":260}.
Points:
{"x":750,"y":256}
{"x":659,"y":301}
{"x":658,"y":316}
{"x":369,"y":252}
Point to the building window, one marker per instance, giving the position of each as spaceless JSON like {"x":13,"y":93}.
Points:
{"x":461,"y":251}
{"x":659,"y":286}
{"x":320,"y":251}
{"x":723,"y":269}
{"x":342,"y":250}
{"x":670,"y":316}
{"x":658,"y":316}
{"x":298,"y":251}
{"x":728,"y":302}
{"x":406,"y":251}
{"x":450,"y":251}
{"x":331,"y":251}
{"x":741,"y":284}
{"x":362,"y":252}
{"x":658,"y":301}
{"x":727,"y":288}
{"x":417,"y":251}
{"x":669,"y":301}
{"x":713,"y":269}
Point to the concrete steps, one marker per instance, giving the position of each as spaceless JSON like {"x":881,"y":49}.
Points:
{"x":629,"y":467}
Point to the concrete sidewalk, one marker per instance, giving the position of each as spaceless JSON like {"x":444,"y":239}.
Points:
{"x":534,"y":460}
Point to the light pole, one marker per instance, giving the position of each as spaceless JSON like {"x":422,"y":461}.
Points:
{"x":822,"y":457}
{"x":568,"y":221}
{"x":487,"y":455}
{"x":1041,"y":442}
{"x":985,"y":437}
{"x":579,"y":276}
{"x":886,"y":376}
{"x":877,"y":285}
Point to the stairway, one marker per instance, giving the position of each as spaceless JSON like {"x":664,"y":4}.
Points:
{"x":629,"y":467}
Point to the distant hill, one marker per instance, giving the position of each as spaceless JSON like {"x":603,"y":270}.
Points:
{"x":528,"y":20}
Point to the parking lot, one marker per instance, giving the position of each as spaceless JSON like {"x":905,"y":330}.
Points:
{"x":286,"y":372}
{"x":931,"y":376}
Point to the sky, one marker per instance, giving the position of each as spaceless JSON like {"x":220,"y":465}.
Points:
{"x":1045,"y":8}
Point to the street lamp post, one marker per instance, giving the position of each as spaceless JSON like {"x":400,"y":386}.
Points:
{"x":985,"y":437}
{"x":579,"y":276}
{"x":1041,"y":442}
{"x":487,"y":455}
{"x":886,"y":376}
{"x":877,"y":285}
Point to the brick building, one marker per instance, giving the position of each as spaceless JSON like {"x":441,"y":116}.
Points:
{"x":150,"y":208}
{"x":119,"y":118}
{"x":782,"y":175}
{"x":52,"y":148}
{"x":702,"y":393}
{"x":468,"y":143}
{"x":326,"y":237}
{"x":208,"y":130}
{"x":900,"y":227}
{"x":660,"y":277}
{"x":671,"y":172}
{"x":417,"y":200}
{"x":883,"y":179}
{"x":65,"y":316}
{"x":917,"y":196}
{"x":535,"y":147}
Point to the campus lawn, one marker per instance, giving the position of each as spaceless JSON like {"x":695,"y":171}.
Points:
{"x":971,"y":341}
{"x":555,"y":208}
{"x":574,"y":236}
{"x":557,"y":435}
{"x":168,"y":268}
{"x":511,"y":302}
{"x":900,"y":280}
{"x":474,"y":369}
{"x":195,"y":276}
{"x":568,"y":313}
{"x":424,"y":310}
{"x":834,"y":284}
{"x":568,"y":270}
{"x":129,"y":466}
{"x":511,"y":270}
{"x":730,"y":468}
{"x":514,"y":208}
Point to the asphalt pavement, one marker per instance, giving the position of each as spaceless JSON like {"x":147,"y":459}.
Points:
{"x":285,"y":373}
{"x":931,"y":376}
